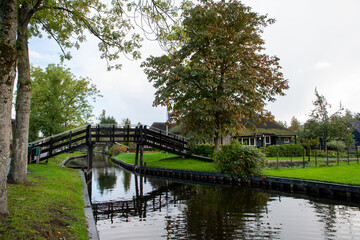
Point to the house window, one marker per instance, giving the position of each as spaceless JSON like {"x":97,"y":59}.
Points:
{"x":248,"y":141}
{"x":268,"y":140}
{"x":286,"y":140}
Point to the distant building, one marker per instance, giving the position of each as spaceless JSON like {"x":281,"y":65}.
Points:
{"x":262,"y":134}
{"x":265,"y":133}
{"x":355,"y":124}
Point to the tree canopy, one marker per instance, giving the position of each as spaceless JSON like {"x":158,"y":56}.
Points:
{"x":327,"y":127}
{"x":220,"y":75}
{"x":107,"y":119}
{"x":60,"y":101}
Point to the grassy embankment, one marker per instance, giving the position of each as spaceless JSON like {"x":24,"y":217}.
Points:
{"x":343,"y":174}
{"x":49,"y":206}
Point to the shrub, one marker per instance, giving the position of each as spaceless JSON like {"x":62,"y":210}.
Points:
{"x":336,"y":145}
{"x":239,"y":160}
{"x":205,"y":150}
{"x":285,"y":150}
{"x":117,"y":149}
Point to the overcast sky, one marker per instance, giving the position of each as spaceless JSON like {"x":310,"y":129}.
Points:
{"x":318,"y":43}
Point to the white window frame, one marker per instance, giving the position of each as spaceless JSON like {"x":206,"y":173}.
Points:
{"x":286,"y":140}
{"x":248,"y":141}
{"x":267,"y":140}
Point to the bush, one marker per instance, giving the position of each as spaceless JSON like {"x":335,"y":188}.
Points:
{"x":117,"y":149}
{"x":239,"y":160}
{"x":205,"y":150}
{"x":285,"y":150}
{"x":336,"y":145}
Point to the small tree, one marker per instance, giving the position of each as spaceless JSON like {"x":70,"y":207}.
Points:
{"x":107,"y":120}
{"x":220,"y":75}
{"x":294,"y":124}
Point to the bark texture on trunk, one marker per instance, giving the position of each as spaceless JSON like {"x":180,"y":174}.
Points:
{"x":18,"y":168}
{"x":217,"y":141}
{"x":8,"y":21}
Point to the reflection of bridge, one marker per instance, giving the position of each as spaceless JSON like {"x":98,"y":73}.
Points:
{"x":88,"y":136}
{"x":140,"y":204}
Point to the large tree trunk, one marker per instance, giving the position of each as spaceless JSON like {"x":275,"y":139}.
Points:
{"x":217,"y":141}
{"x":8,"y":21}
{"x":18,"y":168}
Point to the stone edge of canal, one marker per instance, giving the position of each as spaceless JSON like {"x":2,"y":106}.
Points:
{"x":323,"y":189}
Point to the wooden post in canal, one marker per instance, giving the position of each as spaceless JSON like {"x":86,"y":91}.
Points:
{"x":90,"y":148}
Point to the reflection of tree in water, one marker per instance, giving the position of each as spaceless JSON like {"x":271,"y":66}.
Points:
{"x":327,"y":214}
{"x":126,"y":180}
{"x":106,"y":179}
{"x":221,"y":213}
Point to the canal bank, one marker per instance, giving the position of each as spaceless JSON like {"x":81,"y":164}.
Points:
{"x":329,"y":190}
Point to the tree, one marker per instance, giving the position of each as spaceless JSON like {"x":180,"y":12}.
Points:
{"x":60,"y":101}
{"x":107,"y":120}
{"x":67,"y":23}
{"x":220,"y":75}
{"x":126,"y":122}
{"x":294,"y":124}
{"x":8,"y":20}
{"x":325,"y":126}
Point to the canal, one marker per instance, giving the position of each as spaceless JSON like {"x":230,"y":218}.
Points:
{"x":129,"y":206}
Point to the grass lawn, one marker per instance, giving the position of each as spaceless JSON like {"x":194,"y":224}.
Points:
{"x":343,"y":174}
{"x":49,"y":206}
{"x":172,"y":161}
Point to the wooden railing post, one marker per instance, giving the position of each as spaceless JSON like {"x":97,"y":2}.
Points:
{"x":69,"y":141}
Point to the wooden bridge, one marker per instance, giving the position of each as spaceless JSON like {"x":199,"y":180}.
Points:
{"x":88,"y":136}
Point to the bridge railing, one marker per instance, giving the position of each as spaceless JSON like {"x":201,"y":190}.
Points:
{"x":86,"y":135}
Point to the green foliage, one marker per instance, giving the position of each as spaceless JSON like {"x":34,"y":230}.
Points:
{"x":324,"y":126}
{"x":205,"y":150}
{"x":294,"y":124}
{"x":107,"y":119}
{"x":239,"y":160}
{"x":285,"y":150}
{"x":220,"y":74}
{"x":117,"y":149}
{"x":336,"y":145}
{"x":60,"y":101}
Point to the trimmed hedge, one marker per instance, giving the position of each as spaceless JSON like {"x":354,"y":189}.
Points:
{"x":285,"y":150}
{"x":239,"y":160}
{"x":205,"y":150}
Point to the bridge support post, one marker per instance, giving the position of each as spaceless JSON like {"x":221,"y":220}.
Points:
{"x":137,"y":154}
{"x":141,"y":156}
{"x":90,"y":156}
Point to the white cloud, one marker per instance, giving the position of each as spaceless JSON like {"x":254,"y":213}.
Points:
{"x":321,"y":65}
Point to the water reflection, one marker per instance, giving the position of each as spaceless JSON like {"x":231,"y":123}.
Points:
{"x":128,"y":206}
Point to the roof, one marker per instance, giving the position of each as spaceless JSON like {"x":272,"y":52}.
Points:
{"x":266,"y":127}
{"x":173,"y":128}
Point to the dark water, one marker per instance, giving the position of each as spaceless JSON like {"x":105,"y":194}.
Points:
{"x":151,"y":208}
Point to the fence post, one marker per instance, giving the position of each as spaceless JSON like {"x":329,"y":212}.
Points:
{"x":315,"y":158}
{"x":357,"y":154}
{"x":304,"y":158}
{"x":337,"y":157}
{"x":348,"y":157}
{"x":69,"y":140}
{"x":291,"y":156}
{"x":277,"y":158}
{"x":327,"y":157}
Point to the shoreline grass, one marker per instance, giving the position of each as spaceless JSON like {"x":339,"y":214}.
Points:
{"x":49,"y":206}
{"x":343,"y":174}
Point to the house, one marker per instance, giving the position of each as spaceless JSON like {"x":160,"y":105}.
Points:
{"x":161,"y":126}
{"x":356,"y":130}
{"x":264,"y":134}
{"x":260,"y":135}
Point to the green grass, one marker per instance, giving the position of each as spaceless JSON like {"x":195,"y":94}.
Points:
{"x":172,"y":161}
{"x":343,"y":174}
{"x":49,"y":206}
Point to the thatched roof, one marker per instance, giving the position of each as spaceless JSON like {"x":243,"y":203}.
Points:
{"x":265,"y":127}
